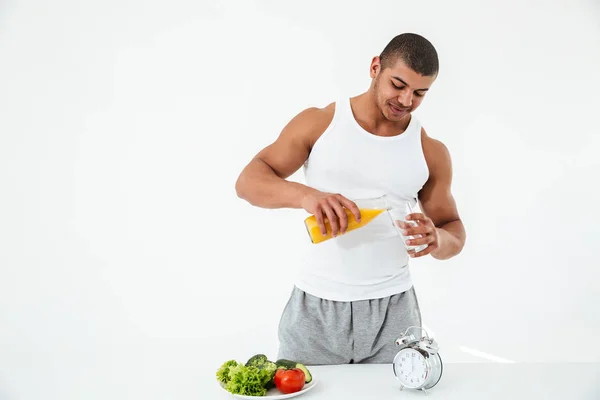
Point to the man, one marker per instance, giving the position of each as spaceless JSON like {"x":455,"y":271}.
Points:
{"x":354,"y":297}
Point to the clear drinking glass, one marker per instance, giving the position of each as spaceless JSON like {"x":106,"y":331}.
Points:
{"x":398,"y":212}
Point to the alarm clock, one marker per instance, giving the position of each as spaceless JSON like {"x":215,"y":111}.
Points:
{"x":418,"y":364}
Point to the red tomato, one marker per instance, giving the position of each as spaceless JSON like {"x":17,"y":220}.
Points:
{"x":289,"y":380}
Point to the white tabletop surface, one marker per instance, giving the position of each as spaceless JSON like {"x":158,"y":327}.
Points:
{"x":481,"y":381}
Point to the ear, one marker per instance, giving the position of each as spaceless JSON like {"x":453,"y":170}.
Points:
{"x":375,"y":67}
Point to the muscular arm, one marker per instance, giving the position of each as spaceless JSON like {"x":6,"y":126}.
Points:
{"x":437,"y":201}
{"x":263,"y":182}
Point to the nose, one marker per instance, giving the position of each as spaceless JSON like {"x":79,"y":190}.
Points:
{"x":405,"y":98}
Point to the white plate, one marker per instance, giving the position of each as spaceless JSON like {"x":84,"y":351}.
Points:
{"x":274,"y":393}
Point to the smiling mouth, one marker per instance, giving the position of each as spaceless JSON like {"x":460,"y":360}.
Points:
{"x":398,"y":110}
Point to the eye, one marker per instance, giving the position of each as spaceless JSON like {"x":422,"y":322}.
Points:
{"x":419,"y":94}
{"x":397,"y":87}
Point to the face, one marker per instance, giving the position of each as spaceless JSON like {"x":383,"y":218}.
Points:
{"x":398,"y":89}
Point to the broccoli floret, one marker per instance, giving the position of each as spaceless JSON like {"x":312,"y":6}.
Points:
{"x":268,"y":374}
{"x":257,"y":361}
{"x":261,"y":361}
{"x":223,"y":372}
{"x":267,"y":368}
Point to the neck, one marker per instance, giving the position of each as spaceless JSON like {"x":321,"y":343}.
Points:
{"x":368,"y":114}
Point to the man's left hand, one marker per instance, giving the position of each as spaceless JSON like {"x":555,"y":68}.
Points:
{"x":424,"y":233}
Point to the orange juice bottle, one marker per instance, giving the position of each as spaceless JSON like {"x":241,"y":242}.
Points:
{"x":314,"y":231}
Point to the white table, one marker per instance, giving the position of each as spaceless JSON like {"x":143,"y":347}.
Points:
{"x":481,"y":381}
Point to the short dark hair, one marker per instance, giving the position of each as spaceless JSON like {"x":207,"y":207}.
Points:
{"x":416,"y":52}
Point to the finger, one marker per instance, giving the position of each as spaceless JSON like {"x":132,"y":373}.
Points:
{"x":402,"y":224}
{"x":341,"y":214}
{"x":426,"y":222}
{"x":411,"y":230}
{"x":428,"y":239}
{"x":415,"y":216}
{"x":350,"y":205}
{"x":423,"y":252}
{"x":333,"y":221}
{"x":320,"y":221}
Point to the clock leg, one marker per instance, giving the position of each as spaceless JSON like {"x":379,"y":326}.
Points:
{"x":425,"y":391}
{"x":401,"y":387}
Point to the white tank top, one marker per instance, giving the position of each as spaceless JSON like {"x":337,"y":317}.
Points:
{"x":369,"y":262}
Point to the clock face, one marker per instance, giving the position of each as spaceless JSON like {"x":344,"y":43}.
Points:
{"x":411,"y":368}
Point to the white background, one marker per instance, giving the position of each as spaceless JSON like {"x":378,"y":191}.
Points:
{"x":128,"y":266}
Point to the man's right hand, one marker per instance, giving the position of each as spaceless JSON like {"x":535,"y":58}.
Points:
{"x":331,"y":206}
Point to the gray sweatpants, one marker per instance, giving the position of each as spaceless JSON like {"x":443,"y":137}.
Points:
{"x":315,"y":331}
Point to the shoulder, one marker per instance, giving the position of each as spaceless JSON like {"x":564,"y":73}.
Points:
{"x":312,"y":122}
{"x":436,"y":153}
